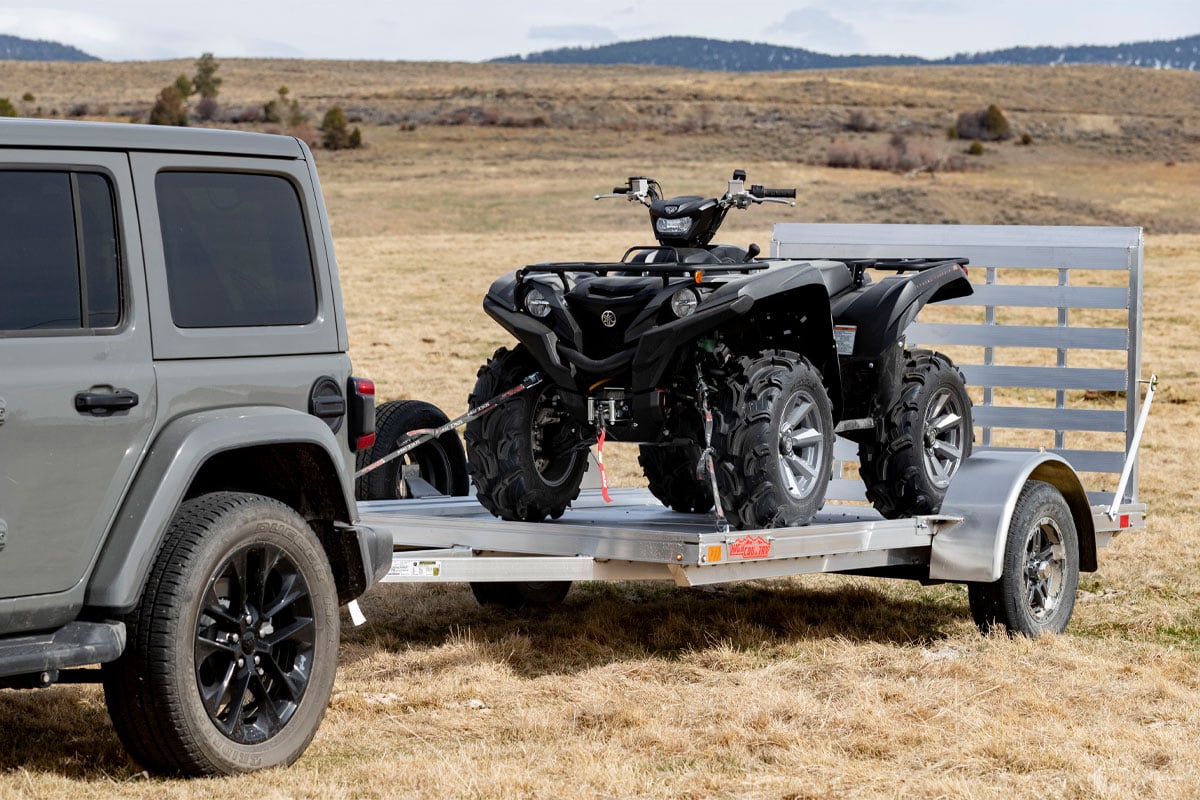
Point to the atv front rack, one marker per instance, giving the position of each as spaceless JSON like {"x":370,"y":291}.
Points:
{"x":665,"y":270}
{"x":680,"y":269}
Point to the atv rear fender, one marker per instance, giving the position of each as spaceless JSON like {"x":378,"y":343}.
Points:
{"x":881,"y":312}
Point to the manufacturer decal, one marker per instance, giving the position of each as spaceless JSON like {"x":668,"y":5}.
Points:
{"x":671,"y":209}
{"x":750,"y":547}
{"x":608,"y":319}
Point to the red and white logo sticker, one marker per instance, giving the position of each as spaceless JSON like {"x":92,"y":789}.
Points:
{"x":750,"y":547}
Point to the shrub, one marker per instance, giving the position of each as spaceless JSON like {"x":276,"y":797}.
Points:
{"x":859,"y":122}
{"x":207,"y":109}
{"x":7,"y":109}
{"x":335,"y":131}
{"x":78,"y":110}
{"x":169,"y":108}
{"x":976,"y":148}
{"x":206,"y":83}
{"x":183,"y":85}
{"x":28,"y":97}
{"x":986,"y":125}
{"x":1026,"y":139}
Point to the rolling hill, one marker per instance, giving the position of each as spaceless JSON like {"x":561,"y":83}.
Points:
{"x":741,"y":56}
{"x":14,"y":48}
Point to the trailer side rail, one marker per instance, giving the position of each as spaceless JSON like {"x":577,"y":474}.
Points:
{"x":1103,"y":320}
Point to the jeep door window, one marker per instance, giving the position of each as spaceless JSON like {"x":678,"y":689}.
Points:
{"x":236,"y":250}
{"x":59,"y":266}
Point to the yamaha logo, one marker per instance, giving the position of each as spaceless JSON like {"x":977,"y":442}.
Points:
{"x":671,"y":209}
{"x":608,"y":319}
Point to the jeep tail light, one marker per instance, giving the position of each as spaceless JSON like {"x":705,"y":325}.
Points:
{"x":361,"y":393}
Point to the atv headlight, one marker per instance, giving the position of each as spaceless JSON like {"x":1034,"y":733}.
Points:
{"x":684,"y":302}
{"x":673,"y":227}
{"x":537,"y":304}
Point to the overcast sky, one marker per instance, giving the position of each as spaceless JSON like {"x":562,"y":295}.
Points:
{"x":476,"y":30}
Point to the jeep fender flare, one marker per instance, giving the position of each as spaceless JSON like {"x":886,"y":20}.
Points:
{"x":984,"y":495}
{"x":163,"y":478}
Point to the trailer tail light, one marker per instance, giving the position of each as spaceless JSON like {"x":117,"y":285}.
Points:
{"x":361,"y":393}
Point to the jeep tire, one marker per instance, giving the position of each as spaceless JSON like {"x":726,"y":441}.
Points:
{"x":232,"y":649}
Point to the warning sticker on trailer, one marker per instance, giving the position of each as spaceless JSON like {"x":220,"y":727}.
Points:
{"x":750,"y":547}
{"x":843,"y":337}
{"x":415,"y":569}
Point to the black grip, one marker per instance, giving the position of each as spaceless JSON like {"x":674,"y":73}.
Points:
{"x":778,"y":193}
{"x":620,"y":190}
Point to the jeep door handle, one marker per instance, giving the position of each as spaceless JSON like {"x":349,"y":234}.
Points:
{"x":99,"y":403}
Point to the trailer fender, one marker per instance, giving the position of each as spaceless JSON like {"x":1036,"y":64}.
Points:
{"x":984,"y":494}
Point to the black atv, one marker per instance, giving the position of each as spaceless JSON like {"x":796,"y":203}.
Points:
{"x":732,"y":372}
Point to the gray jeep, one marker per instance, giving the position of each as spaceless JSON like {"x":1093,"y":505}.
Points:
{"x":178,"y":429}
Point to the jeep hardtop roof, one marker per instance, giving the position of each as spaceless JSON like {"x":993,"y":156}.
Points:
{"x":123,"y":136}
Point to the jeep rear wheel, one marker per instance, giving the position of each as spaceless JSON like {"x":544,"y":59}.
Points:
{"x":527,"y":457}
{"x":775,"y":441}
{"x":232,"y":649}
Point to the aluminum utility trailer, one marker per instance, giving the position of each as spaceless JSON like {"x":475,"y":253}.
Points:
{"x":1000,"y":529}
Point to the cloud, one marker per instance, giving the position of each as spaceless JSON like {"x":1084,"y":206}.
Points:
{"x":817,"y":29}
{"x":592,"y":34}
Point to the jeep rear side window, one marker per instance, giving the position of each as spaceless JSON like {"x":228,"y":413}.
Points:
{"x":59,"y":268}
{"x":236,"y":250}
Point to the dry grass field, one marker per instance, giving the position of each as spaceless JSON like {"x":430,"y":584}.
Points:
{"x":821,"y":687}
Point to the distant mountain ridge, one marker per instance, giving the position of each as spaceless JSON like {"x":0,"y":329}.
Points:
{"x":14,"y":48}
{"x":741,"y":56}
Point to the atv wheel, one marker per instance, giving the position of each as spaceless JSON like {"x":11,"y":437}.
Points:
{"x":517,"y":595}
{"x":927,"y":435}
{"x":441,"y":460}
{"x":775,"y":441}
{"x":526,"y":457}
{"x":670,"y":471}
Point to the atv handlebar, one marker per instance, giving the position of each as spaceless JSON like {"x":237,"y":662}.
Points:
{"x":646,"y":190}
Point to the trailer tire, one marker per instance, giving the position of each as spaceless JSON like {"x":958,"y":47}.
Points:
{"x":927,"y":435}
{"x":1035,"y":594}
{"x":527,"y":456}
{"x":233,"y":646}
{"x":775,"y":441}
{"x":516,"y":595}
{"x":442,"y":462}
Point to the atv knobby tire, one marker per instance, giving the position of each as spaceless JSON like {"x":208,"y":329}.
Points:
{"x":670,"y":471}
{"x":927,"y":434}
{"x":774,"y":439}
{"x":527,"y":457}
{"x":441,"y":460}
{"x":232,"y":648}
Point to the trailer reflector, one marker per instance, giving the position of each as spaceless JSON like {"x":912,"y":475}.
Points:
{"x":714,"y":553}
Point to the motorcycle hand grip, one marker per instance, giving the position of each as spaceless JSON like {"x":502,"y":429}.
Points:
{"x":620,"y":190}
{"x":778,"y":193}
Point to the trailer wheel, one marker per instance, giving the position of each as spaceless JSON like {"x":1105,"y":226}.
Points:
{"x":520,"y":594}
{"x":232,"y":649}
{"x":441,"y":460}
{"x":1035,"y":594}
{"x":927,"y":434}
{"x":527,"y":457}
{"x":775,"y":441}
